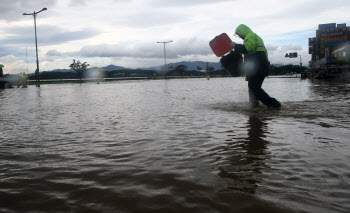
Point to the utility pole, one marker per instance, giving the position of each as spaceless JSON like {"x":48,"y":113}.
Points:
{"x":27,"y":58}
{"x":36,"y":44}
{"x":206,"y":68}
{"x":301,"y":66}
{"x":165,"y":42}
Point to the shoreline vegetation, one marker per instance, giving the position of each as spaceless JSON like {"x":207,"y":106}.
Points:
{"x":94,"y":80}
{"x":179,"y":72}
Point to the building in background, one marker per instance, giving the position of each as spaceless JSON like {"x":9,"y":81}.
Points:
{"x":329,"y":38}
{"x":330,"y":49}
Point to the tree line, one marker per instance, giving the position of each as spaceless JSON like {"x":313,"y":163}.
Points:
{"x":79,"y":71}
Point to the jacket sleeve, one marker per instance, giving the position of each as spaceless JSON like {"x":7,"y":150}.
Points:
{"x":240,"y":48}
{"x":249,"y":43}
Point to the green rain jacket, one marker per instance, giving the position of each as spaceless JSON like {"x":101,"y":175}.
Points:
{"x":252,"y":42}
{"x":254,"y":50}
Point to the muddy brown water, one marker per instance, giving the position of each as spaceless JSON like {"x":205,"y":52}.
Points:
{"x":186,"y":145}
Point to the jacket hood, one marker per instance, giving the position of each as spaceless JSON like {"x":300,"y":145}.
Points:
{"x":243,"y":30}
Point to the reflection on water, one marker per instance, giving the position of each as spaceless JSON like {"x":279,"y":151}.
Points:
{"x":246,"y":157}
{"x":184,"y":145}
{"x":256,"y":128}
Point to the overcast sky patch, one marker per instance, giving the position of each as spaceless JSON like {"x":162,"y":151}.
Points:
{"x":176,"y":49}
{"x":126,"y":32}
{"x":47,"y":35}
{"x":180,"y":3}
{"x":12,"y":10}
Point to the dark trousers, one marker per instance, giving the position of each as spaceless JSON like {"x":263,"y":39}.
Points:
{"x":256,"y":93}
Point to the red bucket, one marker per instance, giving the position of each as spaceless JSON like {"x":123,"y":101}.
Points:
{"x":221,"y":44}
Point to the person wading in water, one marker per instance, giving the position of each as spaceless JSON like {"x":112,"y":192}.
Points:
{"x":256,"y":66}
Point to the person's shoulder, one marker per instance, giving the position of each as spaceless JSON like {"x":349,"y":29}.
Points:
{"x":251,"y":35}
{"x":255,"y":35}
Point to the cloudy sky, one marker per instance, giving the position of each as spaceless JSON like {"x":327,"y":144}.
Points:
{"x":125,"y":32}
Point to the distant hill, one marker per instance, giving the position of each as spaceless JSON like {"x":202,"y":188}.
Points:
{"x":108,"y":68}
{"x":191,"y":65}
{"x":60,"y":70}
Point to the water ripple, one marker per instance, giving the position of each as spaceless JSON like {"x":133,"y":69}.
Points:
{"x":184,"y":145}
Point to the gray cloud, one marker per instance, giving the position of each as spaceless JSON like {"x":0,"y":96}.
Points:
{"x":186,"y":47}
{"x":144,"y":19}
{"x":47,"y":35}
{"x":85,"y":2}
{"x":291,"y":47}
{"x":53,"y":53}
{"x":180,"y":3}
{"x":10,"y":50}
{"x":176,"y":49}
{"x":12,"y":10}
{"x":311,"y":8}
{"x":78,"y":3}
{"x":9,"y":59}
{"x":271,"y":47}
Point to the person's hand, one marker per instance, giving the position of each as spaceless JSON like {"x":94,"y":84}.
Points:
{"x":233,"y":44}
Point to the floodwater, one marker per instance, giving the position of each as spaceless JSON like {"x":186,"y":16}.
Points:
{"x":181,"y":145}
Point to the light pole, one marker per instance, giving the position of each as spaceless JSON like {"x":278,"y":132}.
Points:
{"x":301,"y":66}
{"x":206,"y":68}
{"x":36,"y":44}
{"x":165,"y":42}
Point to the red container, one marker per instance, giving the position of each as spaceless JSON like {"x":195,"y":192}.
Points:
{"x":221,"y":44}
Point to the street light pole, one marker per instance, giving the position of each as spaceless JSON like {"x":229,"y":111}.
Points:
{"x":36,"y":45}
{"x":165,"y":42}
{"x":301,"y":67}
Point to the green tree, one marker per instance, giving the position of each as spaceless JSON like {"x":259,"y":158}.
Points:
{"x":199,"y":70}
{"x":210,"y":71}
{"x":79,"y":67}
{"x":181,"y":69}
{"x":166,"y":69}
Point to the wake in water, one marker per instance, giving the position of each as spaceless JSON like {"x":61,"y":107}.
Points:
{"x":296,"y":109}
